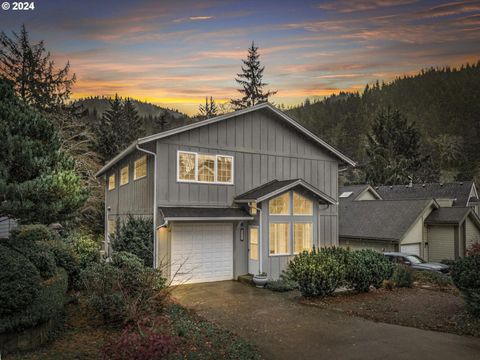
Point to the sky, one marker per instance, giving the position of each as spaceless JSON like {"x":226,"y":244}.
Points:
{"x":174,"y":53}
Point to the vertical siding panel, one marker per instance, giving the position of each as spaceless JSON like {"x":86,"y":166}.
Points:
{"x":238,"y":131}
{"x":247,"y":174}
{"x":231,"y":132}
{"x":264,"y":169}
{"x":293,"y":168}
{"x":256,"y":171}
{"x":286,"y":169}
{"x":321,"y":175}
{"x":222,"y":133}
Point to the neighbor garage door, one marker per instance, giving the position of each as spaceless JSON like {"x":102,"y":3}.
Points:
{"x":413,"y":249}
{"x":202,"y":252}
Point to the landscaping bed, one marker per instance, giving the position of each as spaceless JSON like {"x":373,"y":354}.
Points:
{"x":415,"y":307}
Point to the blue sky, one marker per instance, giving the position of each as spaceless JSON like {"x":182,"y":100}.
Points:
{"x":174,"y":53}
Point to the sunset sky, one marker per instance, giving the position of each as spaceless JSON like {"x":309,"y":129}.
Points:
{"x":174,"y":53}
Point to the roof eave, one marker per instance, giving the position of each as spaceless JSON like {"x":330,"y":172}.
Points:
{"x":116,"y":159}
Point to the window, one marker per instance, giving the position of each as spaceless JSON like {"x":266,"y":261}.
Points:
{"x":253,"y":243}
{"x":279,"y":238}
{"x":206,"y":168}
{"x":280,"y":205}
{"x":302,"y":205}
{"x":346,"y":194}
{"x":124,"y":176}
{"x":111,"y":182}
{"x":225,"y":169}
{"x":302,"y":237}
{"x":140,"y":168}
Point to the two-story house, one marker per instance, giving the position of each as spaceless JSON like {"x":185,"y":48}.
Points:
{"x":230,"y":195}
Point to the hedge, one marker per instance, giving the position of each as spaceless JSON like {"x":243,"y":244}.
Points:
{"x":47,"y":305}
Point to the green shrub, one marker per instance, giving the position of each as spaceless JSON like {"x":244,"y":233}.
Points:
{"x":66,"y":258}
{"x":135,"y":236}
{"x":29,"y":234}
{"x":48,"y":305}
{"x":402,"y":276}
{"x":432,"y":278}
{"x":282,"y":285}
{"x":318,"y":273}
{"x":123,"y":290}
{"x":86,"y":248}
{"x":466,"y":276}
{"x":367,"y":268}
{"x":19,"y":281}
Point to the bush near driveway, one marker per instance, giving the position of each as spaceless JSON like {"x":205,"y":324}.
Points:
{"x":402,"y":276}
{"x":466,"y":277}
{"x":432,"y":278}
{"x":367,"y":268}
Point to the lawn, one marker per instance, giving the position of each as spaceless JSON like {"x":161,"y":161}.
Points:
{"x":429,"y":309}
{"x":84,"y":336}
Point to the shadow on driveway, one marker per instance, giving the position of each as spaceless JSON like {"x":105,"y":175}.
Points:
{"x":282,"y":328}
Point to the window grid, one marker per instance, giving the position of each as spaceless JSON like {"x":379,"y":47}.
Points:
{"x":111,"y":182}
{"x":124,"y":176}
{"x":279,"y":239}
{"x":206,"y":168}
{"x":280,"y":205}
{"x":224,"y":169}
{"x":302,"y":205}
{"x":140,"y":168}
{"x":302,"y":237}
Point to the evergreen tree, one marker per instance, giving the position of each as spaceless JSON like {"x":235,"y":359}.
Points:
{"x":251,"y":81}
{"x":130,"y":123}
{"x":394,"y":150}
{"x":32,"y":71}
{"x":38,"y":183}
{"x":109,"y":138}
{"x":210,"y":108}
{"x":161,"y":122}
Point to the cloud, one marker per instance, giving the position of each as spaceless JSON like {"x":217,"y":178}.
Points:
{"x":347,"y":6}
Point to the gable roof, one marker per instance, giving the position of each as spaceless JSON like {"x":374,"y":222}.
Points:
{"x":276,"y":187}
{"x":216,"y":119}
{"x":446,"y":215}
{"x":356,"y":191}
{"x":379,"y":219}
{"x":459,"y":191}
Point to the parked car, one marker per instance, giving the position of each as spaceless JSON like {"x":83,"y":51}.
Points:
{"x":416,"y":262}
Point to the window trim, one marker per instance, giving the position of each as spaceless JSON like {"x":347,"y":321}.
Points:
{"x":250,"y":227}
{"x":289,"y":238}
{"x":293,"y":234}
{"x":135,"y":177}
{"x":128,"y":175}
{"x":196,"y":181}
{"x":114,"y":182}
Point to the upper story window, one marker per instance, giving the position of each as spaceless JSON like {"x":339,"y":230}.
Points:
{"x":280,"y":205}
{"x":302,"y":205}
{"x":111,"y":182}
{"x":204,"y":168}
{"x":140,"y":168}
{"x":124,"y":176}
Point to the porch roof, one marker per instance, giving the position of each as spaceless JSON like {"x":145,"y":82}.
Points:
{"x":276,"y":187}
{"x":203,"y":213}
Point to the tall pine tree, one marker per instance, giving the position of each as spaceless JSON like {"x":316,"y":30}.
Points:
{"x":109,"y":137}
{"x":251,"y":81}
{"x":210,"y":108}
{"x":131,"y":125}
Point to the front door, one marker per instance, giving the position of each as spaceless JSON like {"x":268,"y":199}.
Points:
{"x":253,"y":251}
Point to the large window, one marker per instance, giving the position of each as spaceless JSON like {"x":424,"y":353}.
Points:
{"x":279,"y":238}
{"x":280,"y":205}
{"x":302,"y":205}
{"x":204,"y":168}
{"x":140,"y":168}
{"x":111,"y":182}
{"x":302,"y":237}
{"x":124,"y":176}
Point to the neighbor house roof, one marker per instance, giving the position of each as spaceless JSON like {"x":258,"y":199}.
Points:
{"x":276,"y":187}
{"x":203,"y":213}
{"x":379,"y":219}
{"x":459,"y":191}
{"x":447,"y":216}
{"x":352,"y":192}
{"x":205,"y":122}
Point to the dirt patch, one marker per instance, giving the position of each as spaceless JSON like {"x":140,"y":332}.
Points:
{"x":417,"y":307}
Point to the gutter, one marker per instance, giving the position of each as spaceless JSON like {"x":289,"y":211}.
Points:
{"x":154,"y":214}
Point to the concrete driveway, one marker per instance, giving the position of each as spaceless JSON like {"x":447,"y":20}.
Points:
{"x":282,"y":328}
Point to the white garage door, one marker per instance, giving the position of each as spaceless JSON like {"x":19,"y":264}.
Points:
{"x":202,"y":252}
{"x":413,"y":249}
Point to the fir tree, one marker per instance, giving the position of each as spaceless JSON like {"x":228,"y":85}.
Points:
{"x":130,"y":123}
{"x":251,"y":81}
{"x":210,"y":108}
{"x":32,"y":71}
{"x":109,"y":138}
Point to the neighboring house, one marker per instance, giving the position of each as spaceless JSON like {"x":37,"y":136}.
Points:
{"x":235,"y":194}
{"x":434,"y":221}
{"x":6,"y":225}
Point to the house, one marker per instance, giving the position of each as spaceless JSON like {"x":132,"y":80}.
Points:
{"x":6,"y":225}
{"x":230,"y":195}
{"x":434,"y":221}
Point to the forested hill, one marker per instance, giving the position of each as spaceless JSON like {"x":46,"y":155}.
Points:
{"x":444,"y":104}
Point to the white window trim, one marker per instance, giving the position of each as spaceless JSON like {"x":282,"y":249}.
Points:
{"x":293,"y":233}
{"x":289,"y":240}
{"x":196,"y":181}
{"x":128,"y":176}
{"x":135,"y":168}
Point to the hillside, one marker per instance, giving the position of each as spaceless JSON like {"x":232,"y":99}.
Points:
{"x":443,"y":103}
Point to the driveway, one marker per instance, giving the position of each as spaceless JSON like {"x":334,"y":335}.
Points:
{"x":282,"y":328}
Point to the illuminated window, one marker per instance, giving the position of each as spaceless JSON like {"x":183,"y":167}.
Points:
{"x":140,"y":168}
{"x":206,"y":168}
{"x":186,"y":166}
{"x":280,"y":205}
{"x":124,"y":176}
{"x":224,"y":169}
{"x":302,"y":237}
{"x":302,"y":205}
{"x":111,"y":182}
{"x":254,"y":243}
{"x":279,"y":238}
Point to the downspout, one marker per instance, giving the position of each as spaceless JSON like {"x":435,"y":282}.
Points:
{"x":260,"y":238}
{"x":154,"y":214}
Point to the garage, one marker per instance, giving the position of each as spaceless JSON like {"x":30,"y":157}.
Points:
{"x":413,"y":249}
{"x":202,"y":252}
